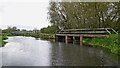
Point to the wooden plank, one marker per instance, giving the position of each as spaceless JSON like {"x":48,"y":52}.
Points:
{"x":82,"y":35}
{"x":86,"y":32}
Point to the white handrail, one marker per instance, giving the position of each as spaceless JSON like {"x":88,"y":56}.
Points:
{"x":114,"y":31}
{"x":107,"y":31}
{"x":84,"y":29}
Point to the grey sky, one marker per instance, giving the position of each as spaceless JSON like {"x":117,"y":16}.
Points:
{"x":27,"y":14}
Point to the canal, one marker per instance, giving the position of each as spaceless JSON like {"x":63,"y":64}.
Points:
{"x":28,"y":51}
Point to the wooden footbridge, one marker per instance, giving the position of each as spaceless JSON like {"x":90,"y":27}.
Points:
{"x":84,"y":33}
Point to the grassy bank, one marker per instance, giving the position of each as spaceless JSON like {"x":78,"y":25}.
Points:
{"x":46,"y":36}
{"x":28,"y":35}
{"x":110,"y":43}
{"x":40,"y":35}
{"x":2,"y":42}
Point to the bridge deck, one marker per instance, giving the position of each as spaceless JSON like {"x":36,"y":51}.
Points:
{"x":83,"y":35}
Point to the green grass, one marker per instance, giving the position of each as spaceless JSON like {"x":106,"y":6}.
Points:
{"x":2,"y":42}
{"x":39,"y":35}
{"x":4,"y":37}
{"x":110,"y":43}
{"x":7,"y":34}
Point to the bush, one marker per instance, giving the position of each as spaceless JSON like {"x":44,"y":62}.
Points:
{"x":49,"y":29}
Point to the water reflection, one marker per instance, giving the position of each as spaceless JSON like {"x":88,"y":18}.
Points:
{"x":80,"y":56}
{"x":27,"y":51}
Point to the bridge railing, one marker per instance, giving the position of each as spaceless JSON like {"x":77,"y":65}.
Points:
{"x":89,"y":31}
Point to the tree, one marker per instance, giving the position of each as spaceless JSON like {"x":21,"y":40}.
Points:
{"x":15,"y":28}
{"x":49,"y":29}
{"x":76,"y":15}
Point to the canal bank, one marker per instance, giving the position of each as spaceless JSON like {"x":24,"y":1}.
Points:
{"x":109,"y":43}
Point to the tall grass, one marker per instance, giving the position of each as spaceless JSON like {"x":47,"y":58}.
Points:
{"x":110,"y":43}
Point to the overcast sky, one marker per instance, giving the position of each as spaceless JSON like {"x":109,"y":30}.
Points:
{"x":25,"y":14}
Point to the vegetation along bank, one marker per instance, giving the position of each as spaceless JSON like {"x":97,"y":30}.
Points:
{"x":111,"y":43}
{"x":2,"y":42}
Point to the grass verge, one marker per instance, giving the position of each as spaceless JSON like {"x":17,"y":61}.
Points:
{"x":111,"y":43}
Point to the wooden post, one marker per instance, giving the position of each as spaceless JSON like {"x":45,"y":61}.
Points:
{"x":54,"y":40}
{"x":81,"y":37}
{"x":54,"y":36}
{"x":66,"y":37}
{"x":73,"y":37}
{"x":66,"y":41}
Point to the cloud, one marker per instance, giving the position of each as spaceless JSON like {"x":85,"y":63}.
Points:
{"x":30,"y":13}
{"x":23,"y":1}
{"x":1,"y":7}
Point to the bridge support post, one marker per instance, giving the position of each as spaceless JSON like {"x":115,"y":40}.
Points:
{"x":81,"y":37}
{"x":54,"y":36}
{"x":66,"y":39}
{"x":73,"y":37}
{"x":54,"y":40}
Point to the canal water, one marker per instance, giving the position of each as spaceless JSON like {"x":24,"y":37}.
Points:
{"x":28,"y":51}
